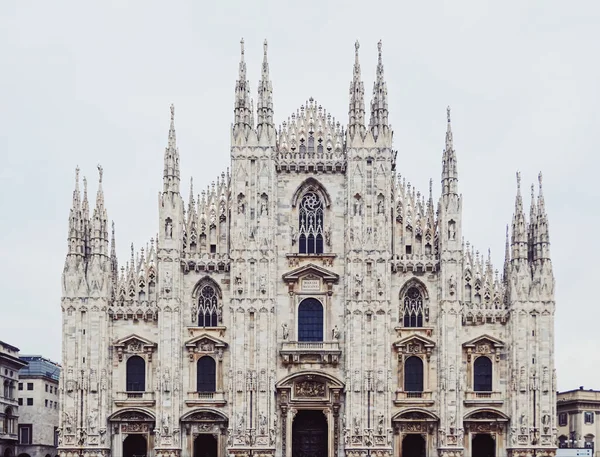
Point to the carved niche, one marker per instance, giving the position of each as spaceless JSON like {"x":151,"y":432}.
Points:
{"x":134,"y":345}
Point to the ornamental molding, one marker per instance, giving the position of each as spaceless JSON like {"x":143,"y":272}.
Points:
{"x":134,"y":345}
{"x":311,"y":272}
{"x":415,"y":344}
{"x":205,"y":344}
{"x":483,"y":345}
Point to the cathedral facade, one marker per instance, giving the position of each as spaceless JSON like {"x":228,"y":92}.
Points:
{"x":307,"y":303}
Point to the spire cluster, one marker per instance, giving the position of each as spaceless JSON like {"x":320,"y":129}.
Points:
{"x":379,"y":103}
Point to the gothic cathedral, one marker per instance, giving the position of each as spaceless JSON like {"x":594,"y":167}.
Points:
{"x":308,"y":304}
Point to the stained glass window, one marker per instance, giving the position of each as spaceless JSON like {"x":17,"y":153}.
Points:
{"x":311,"y":224}
{"x":413,"y":308}
{"x":207,"y":307}
{"x":310,"y":320}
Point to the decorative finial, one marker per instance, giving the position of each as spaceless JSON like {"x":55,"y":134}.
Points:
{"x":448,"y":113}
{"x":77,"y":174}
{"x":430,"y":187}
{"x":242,"y":47}
{"x":113,"y":229}
{"x":100,"y":172}
{"x":379,"y":46}
{"x":519,"y":181}
{"x":540,"y":180}
{"x":172,"y":112}
{"x":356,"y":46}
{"x":85,"y":185}
{"x":265,"y":47}
{"x":532,"y":192}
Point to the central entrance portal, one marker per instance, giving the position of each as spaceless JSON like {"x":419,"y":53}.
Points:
{"x":309,"y":434}
{"x":413,"y":446}
{"x":135,"y":446}
{"x":205,"y":446}
{"x":483,"y":445}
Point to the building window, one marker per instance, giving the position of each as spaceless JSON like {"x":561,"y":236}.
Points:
{"x":20,"y":402}
{"x":206,"y":374}
{"x":55,"y":436}
{"x":29,"y":386}
{"x":413,"y":308}
{"x":588,"y":417}
{"x":46,"y":403}
{"x":30,"y":402}
{"x":310,"y":320}
{"x":6,"y":389}
{"x":310,"y":240}
{"x":413,"y":374}
{"x":207,"y":307}
{"x":562,"y":419}
{"x":136,"y":374}
{"x":482,"y":378}
{"x":20,"y":386}
{"x":562,"y":441}
{"x":9,"y":421}
{"x":25,"y":433}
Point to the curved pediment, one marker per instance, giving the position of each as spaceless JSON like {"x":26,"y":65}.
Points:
{"x":415,"y":414}
{"x":132,"y":415}
{"x":486,"y":414}
{"x":204,"y":415}
{"x":313,"y":376}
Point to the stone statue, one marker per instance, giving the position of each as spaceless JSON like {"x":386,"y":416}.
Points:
{"x":285,"y":331}
{"x":335,"y":333}
{"x":168,"y":229}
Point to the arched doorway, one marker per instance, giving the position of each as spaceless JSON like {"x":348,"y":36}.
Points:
{"x":413,"y":445}
{"x":8,"y":452}
{"x":135,"y":446}
{"x":483,"y":445}
{"x":205,"y":445}
{"x":309,"y":434}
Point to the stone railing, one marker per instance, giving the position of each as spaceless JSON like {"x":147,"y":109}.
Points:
{"x":414,"y":398}
{"x":205,"y":398}
{"x":318,"y":352}
{"x":483,"y":398}
{"x":134,"y":398}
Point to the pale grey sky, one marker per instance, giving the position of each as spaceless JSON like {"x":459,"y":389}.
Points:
{"x":83,"y":83}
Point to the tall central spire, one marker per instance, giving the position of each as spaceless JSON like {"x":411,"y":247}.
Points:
{"x":356,"y":113}
{"x":243,"y":105}
{"x":171,"y":171}
{"x":379,"y":103}
{"x":449,"y":165}
{"x":265,"y":97}
{"x":519,"y":227}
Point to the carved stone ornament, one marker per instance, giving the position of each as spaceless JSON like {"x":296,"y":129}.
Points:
{"x":309,"y":389}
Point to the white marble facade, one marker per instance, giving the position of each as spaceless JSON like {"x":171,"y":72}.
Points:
{"x":308,"y":301}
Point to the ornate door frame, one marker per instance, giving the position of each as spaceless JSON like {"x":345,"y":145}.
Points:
{"x":310,"y":390}
{"x":415,"y":421}
{"x":131,"y":421}
{"x":204,"y":421}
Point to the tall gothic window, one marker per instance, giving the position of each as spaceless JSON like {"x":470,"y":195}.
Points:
{"x":482,"y":379}
{"x":310,"y":320}
{"x":206,"y":374}
{"x":136,"y":374}
{"x":311,"y":224}
{"x":413,"y":374}
{"x":413,"y":308}
{"x":207,"y":307}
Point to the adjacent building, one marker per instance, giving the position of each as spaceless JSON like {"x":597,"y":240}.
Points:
{"x":38,"y":406}
{"x":578,"y":426}
{"x":310,"y":302}
{"x":10,"y":364}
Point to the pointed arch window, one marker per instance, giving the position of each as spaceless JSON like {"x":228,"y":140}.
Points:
{"x":482,"y":378}
{"x":310,"y":223}
{"x":136,"y":374}
{"x":310,"y":320}
{"x":206,"y":374}
{"x":208,"y":302}
{"x":413,"y":374}
{"x":412,"y":310}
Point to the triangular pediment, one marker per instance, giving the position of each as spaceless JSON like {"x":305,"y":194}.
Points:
{"x":415,"y":340}
{"x":484,"y":339}
{"x":312,"y":270}
{"x":205,"y":340}
{"x":134,"y":340}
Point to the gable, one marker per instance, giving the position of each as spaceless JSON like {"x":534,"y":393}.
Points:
{"x":134,"y":343}
{"x":484,"y":340}
{"x":414,"y":343}
{"x":205,"y":342}
{"x":310,"y":271}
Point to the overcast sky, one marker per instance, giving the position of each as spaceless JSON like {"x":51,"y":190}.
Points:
{"x":83,"y":83}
